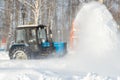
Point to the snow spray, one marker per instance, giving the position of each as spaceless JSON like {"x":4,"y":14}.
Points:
{"x":97,"y":42}
{"x":96,"y":30}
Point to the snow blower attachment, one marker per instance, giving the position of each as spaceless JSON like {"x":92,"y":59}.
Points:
{"x":33,"y":42}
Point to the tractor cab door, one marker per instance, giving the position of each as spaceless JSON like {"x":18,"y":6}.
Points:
{"x":32,"y":39}
{"x":42,"y":36}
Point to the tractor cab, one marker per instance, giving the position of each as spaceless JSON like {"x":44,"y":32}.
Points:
{"x":33,"y":35}
{"x":31,"y":41}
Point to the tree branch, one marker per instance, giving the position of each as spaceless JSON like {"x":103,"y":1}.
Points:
{"x":27,"y":3}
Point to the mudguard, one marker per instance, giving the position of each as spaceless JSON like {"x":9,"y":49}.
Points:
{"x":16,"y":45}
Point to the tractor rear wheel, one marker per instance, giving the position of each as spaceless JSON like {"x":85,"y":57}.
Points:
{"x":20,"y":53}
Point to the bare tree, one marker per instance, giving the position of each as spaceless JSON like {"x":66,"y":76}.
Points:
{"x":35,"y":7}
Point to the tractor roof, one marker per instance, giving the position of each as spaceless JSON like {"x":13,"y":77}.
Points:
{"x":30,"y":26}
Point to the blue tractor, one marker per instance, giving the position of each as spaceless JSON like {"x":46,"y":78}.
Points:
{"x":34,"y":42}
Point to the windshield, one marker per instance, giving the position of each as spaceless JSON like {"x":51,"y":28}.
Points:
{"x":20,"y":36}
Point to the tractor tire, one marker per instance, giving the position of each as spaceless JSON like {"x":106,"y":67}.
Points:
{"x":20,"y":53}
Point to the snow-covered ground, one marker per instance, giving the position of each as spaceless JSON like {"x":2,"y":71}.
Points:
{"x":4,"y":55}
{"x":93,"y":62}
{"x":46,"y":69}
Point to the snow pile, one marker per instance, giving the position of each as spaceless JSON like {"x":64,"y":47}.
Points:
{"x":32,"y":74}
{"x":4,"y":55}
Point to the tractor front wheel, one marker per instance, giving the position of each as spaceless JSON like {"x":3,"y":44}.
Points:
{"x":20,"y":53}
